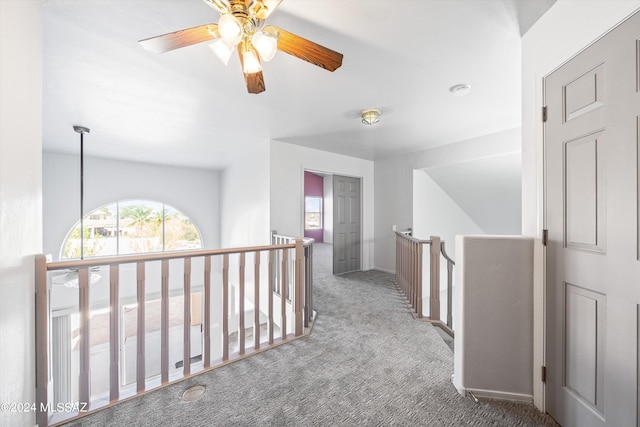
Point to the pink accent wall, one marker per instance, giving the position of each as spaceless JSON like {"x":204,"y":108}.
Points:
{"x":314,"y":187}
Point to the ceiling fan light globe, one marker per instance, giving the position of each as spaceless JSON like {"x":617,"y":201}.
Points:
{"x":266,"y":44}
{"x":250,"y":62}
{"x":222,"y":50}
{"x":230,"y":29}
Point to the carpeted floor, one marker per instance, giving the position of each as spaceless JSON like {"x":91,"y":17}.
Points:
{"x":366,"y":363}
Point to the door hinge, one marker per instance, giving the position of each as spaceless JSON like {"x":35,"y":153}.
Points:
{"x":544,"y":114}
{"x":543,"y":374}
{"x":545,"y":237}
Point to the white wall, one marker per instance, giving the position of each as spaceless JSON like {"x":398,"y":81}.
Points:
{"x":494,"y":347}
{"x":20,"y":198}
{"x":394,"y":192}
{"x":288,"y":163}
{"x":244,"y":200}
{"x":327,"y":236}
{"x":194,"y":192}
{"x":435,"y":214}
{"x":567,"y":28}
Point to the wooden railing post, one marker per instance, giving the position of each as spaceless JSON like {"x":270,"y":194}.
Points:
{"x":256,"y":301}
{"x":434,"y":263}
{"x":84,"y":344}
{"x":164,"y":322}
{"x":186,"y":318}
{"x":418,"y":270}
{"x":42,"y":340}
{"x":241,"y":326}
{"x":298,"y":288}
{"x":206,"y":353}
{"x":308,"y":284}
{"x":141,"y":333}
{"x":225,"y":307}
{"x":114,"y":336}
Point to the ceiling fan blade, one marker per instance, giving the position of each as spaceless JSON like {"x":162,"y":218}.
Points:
{"x":178,"y":39}
{"x":254,"y":81}
{"x":307,"y":50}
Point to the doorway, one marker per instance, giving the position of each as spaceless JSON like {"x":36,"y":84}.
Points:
{"x":333,"y":217}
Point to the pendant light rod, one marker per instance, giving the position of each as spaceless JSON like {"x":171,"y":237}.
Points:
{"x":81,"y":130}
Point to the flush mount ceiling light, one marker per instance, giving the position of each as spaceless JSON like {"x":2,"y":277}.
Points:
{"x":241,"y":27}
{"x":461,"y":89}
{"x":370,"y":116}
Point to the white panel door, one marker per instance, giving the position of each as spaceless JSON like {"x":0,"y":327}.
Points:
{"x":591,"y":213}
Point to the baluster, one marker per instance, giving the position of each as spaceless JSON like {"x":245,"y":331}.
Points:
{"x":283,"y":296}
{"x":186,"y":353}
{"x":241,"y":306}
{"x":114,"y":329}
{"x":207,"y":312}
{"x":225,"y":307}
{"x":140,"y":368}
{"x":270,"y":293}
{"x":296,"y":299}
{"x":83,"y":279}
{"x":42,"y":343}
{"x":256,"y":301}
{"x":434,"y":307}
{"x":164,"y":323}
{"x":419,"y":280}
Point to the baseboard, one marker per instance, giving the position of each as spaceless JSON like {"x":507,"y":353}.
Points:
{"x":383,"y":270}
{"x":493,"y":394}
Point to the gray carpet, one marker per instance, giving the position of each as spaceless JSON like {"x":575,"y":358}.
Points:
{"x":366,"y":363}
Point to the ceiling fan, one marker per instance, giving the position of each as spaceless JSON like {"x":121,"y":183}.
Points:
{"x":242,"y":26}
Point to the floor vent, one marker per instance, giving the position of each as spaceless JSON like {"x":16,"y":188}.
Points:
{"x":194,"y":393}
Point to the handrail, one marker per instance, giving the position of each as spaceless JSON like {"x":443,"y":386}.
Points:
{"x":444,"y":253}
{"x":131,"y":259}
{"x":409,"y":237}
{"x":450,"y":264}
{"x":218,"y":287}
{"x":409,"y":276}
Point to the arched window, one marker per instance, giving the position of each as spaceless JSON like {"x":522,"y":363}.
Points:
{"x":130,"y":227}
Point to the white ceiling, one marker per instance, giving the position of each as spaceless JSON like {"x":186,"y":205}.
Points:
{"x":186,"y":108}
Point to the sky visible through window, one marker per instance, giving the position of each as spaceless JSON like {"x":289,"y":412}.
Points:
{"x":312,"y":213}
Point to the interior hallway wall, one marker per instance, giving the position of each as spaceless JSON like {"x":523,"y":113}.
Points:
{"x":288,"y":163}
{"x":394,"y":204}
{"x":244,"y":200}
{"x":194,"y":192}
{"x":21,"y":200}
{"x":433,"y":210}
